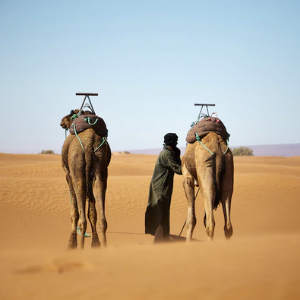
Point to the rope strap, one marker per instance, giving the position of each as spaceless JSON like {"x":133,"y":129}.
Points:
{"x":79,"y":232}
{"x":199,"y":140}
{"x":103,"y":141}
{"x":88,"y":120}
{"x":75,"y":116}
{"x":78,"y":136}
{"x":227,"y":147}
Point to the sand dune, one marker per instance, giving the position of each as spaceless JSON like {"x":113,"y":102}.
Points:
{"x":261,"y":261}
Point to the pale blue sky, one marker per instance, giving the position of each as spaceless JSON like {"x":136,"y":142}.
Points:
{"x":149,"y":61}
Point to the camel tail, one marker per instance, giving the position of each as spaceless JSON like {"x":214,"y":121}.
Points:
{"x":219,"y":171}
{"x":88,"y":169}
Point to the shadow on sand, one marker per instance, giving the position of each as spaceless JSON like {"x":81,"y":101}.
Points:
{"x":177,"y":238}
{"x":119,"y":232}
{"x":173,"y":238}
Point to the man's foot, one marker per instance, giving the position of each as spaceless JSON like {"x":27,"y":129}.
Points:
{"x":158,"y":238}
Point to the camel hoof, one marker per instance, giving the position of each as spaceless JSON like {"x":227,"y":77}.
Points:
{"x":72,"y":246}
{"x":228,"y":233}
{"x":96,"y":244}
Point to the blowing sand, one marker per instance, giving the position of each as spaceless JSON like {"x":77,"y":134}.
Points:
{"x":261,"y":261}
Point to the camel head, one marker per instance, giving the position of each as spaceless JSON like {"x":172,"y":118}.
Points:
{"x":66,"y":121}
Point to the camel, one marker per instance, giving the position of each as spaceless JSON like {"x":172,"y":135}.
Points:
{"x":212,"y":171}
{"x":85,"y":165}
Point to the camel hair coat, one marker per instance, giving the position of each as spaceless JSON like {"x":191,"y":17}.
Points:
{"x":161,"y":189}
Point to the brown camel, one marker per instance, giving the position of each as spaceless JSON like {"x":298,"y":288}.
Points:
{"x":213,"y":171}
{"x":85,"y":165}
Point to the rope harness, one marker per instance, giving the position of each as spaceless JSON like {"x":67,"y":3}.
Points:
{"x":199,"y":140}
{"x":88,"y":120}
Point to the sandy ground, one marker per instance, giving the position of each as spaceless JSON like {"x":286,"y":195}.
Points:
{"x":261,"y":261}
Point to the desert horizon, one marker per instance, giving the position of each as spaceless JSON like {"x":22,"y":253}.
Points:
{"x":260,"y":261}
{"x":284,"y":150}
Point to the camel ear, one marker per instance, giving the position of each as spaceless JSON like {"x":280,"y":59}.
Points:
{"x":73,"y":112}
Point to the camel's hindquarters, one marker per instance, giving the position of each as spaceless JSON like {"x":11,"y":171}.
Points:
{"x":207,"y":163}
{"x":86,"y":159}
{"x":211,"y":163}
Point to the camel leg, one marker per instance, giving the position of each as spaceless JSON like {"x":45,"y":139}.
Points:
{"x":92,"y":215}
{"x":189,"y":188}
{"x":227,"y":190}
{"x":72,"y":244}
{"x":80,"y":190}
{"x":226,"y":205}
{"x":208,"y":193}
{"x":99,"y":192}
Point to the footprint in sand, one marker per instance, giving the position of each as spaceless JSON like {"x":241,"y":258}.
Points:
{"x":54,"y":267}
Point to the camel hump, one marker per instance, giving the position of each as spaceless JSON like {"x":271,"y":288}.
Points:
{"x":206,"y":125}
{"x":89,"y":120}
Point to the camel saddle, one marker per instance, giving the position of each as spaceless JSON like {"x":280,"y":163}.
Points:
{"x":89,"y":120}
{"x":206,"y":125}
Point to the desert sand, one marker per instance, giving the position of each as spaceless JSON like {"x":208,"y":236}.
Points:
{"x":260,"y":261}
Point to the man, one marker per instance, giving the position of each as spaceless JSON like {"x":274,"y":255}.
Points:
{"x":157,"y":217}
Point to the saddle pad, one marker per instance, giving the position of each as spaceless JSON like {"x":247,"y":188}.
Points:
{"x":86,"y":121}
{"x":206,"y":125}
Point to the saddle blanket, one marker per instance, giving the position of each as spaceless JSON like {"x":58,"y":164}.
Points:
{"x":89,"y":120}
{"x":206,"y":125}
